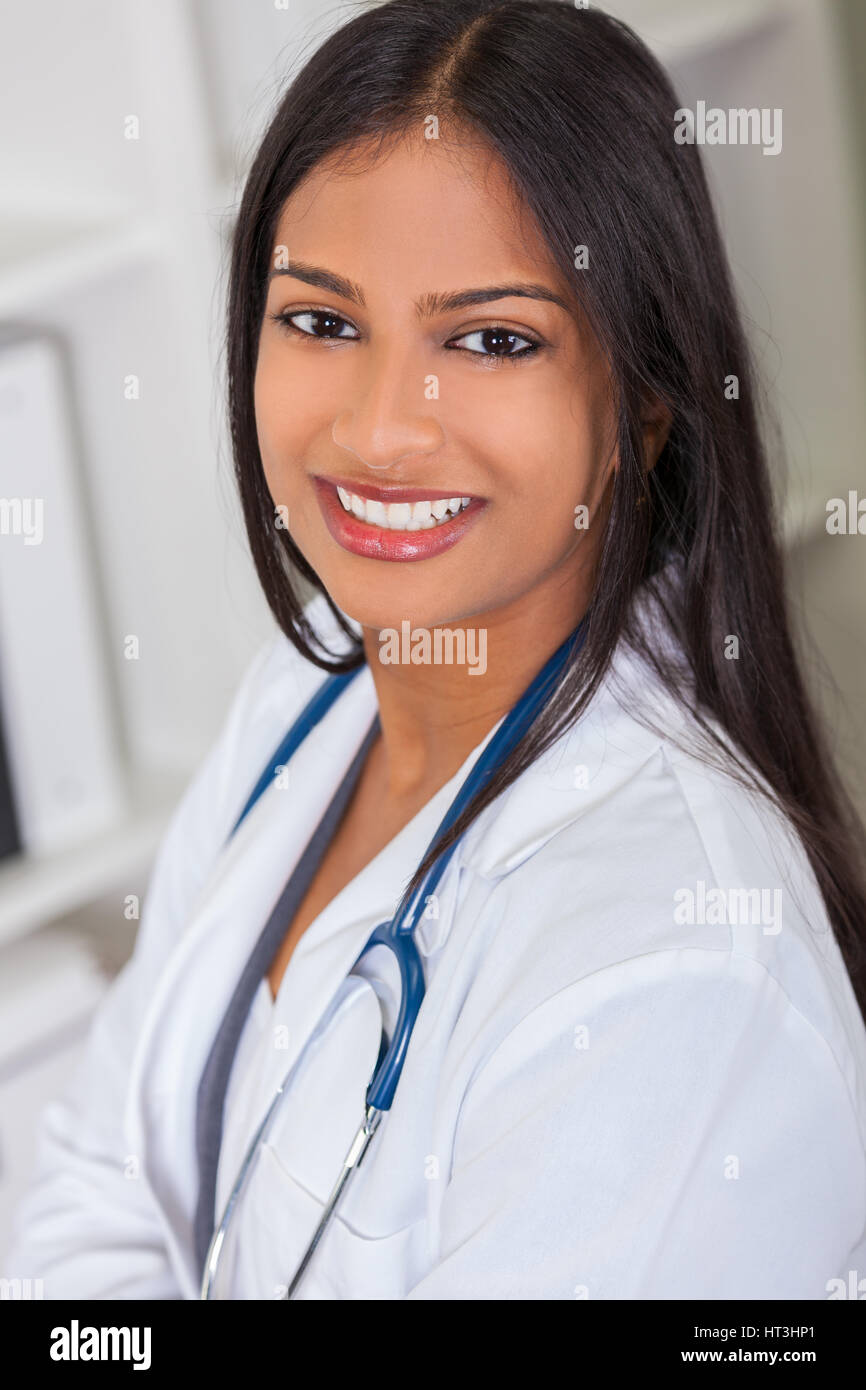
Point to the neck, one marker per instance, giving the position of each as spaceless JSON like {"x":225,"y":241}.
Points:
{"x":432,"y":712}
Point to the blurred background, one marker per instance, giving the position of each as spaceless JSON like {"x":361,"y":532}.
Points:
{"x":128,"y":604}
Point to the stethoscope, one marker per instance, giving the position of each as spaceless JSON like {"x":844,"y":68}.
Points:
{"x":397,"y":936}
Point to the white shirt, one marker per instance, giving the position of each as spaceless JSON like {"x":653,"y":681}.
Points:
{"x":601,"y":1099}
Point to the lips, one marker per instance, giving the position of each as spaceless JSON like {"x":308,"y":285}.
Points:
{"x":378,"y":543}
{"x":387,"y":494}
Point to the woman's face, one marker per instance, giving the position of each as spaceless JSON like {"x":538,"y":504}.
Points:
{"x":370,"y":376}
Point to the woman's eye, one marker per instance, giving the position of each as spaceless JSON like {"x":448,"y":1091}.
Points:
{"x":498,"y":342}
{"x":483,"y":342}
{"x":316,"y":323}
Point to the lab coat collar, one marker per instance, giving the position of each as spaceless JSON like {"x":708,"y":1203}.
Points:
{"x":585,"y":764}
{"x":200,"y":975}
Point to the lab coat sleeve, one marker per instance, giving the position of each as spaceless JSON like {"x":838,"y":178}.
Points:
{"x":671,"y":1127}
{"x":87,"y":1226}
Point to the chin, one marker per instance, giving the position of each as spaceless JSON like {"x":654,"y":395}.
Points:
{"x":389,"y":611}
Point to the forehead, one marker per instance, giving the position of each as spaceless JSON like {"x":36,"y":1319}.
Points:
{"x":413,"y":212}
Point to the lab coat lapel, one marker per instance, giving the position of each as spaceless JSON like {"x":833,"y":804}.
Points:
{"x":331,"y":945}
{"x":201,"y":973}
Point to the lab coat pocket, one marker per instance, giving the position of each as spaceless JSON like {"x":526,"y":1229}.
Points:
{"x":373,"y":1240}
{"x":347,"y":1264}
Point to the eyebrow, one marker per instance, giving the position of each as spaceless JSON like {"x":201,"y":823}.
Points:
{"x":429,"y":304}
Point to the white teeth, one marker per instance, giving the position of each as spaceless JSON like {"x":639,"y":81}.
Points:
{"x":402,"y":516}
{"x":398,"y":514}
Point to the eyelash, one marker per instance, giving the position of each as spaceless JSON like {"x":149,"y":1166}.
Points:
{"x":284,"y":320}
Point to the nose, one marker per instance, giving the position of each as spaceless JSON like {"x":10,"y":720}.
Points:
{"x":393,"y":416}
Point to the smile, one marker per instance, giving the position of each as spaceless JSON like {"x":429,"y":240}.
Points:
{"x":394,"y":523}
{"x":403,"y":516}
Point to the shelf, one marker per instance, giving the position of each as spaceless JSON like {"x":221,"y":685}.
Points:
{"x":40,"y":259}
{"x":34,"y":891}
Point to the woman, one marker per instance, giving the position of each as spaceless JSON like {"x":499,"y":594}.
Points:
{"x":480,"y":328}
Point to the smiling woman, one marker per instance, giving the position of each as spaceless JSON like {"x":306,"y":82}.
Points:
{"x":478,"y":292}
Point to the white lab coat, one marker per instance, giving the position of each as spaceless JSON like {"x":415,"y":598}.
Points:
{"x":599,"y":1100}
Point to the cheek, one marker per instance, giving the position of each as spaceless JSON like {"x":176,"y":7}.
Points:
{"x":540,"y":442}
{"x":272,"y":393}
{"x":269,"y":411}
{"x":566,"y":436}
{"x":283,"y":421}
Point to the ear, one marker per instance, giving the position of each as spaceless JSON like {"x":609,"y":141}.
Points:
{"x":656,"y":421}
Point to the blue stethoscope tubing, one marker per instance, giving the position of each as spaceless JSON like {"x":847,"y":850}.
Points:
{"x":398,"y":933}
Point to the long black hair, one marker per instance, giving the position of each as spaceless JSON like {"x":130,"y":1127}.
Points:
{"x":583,"y":117}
